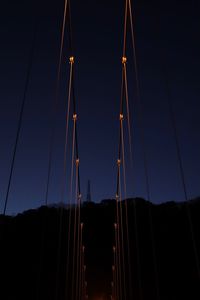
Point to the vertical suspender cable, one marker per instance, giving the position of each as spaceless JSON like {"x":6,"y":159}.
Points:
{"x":80,"y":264}
{"x":67,"y":127}
{"x":52,"y":129}
{"x":27,"y":81}
{"x":128,"y":113}
{"x":144,"y":158}
{"x":122,"y":238}
{"x":181,"y":168}
{"x":55,"y":103}
{"x":118,"y":262}
{"x":119,"y":212}
{"x":182,"y":175}
{"x":75,"y":239}
{"x":78,"y":247}
{"x":75,"y":148}
{"x":65,"y":152}
{"x":77,"y":218}
{"x":121,"y":158}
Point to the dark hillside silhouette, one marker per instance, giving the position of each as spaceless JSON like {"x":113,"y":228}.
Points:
{"x":29,"y":248}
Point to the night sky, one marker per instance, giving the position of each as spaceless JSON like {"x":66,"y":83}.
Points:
{"x":167,"y":42}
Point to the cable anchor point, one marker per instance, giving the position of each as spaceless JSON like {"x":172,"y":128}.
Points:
{"x":121,"y":117}
{"x":118,"y":163}
{"x":124,"y":60}
{"x":79,"y":196}
{"x":71,"y":60}
{"x":75,"y":117}
{"x":77,"y":164}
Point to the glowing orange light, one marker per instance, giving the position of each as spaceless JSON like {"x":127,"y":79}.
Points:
{"x":121,"y":117}
{"x":74,"y":117}
{"x":77,"y":163}
{"x":71,"y":59}
{"x":124,"y":59}
{"x":118,"y":163}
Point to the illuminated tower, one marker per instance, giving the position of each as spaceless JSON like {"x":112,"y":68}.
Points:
{"x":88,"y":198}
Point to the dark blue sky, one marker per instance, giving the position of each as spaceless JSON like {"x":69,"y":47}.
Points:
{"x":167,"y":36}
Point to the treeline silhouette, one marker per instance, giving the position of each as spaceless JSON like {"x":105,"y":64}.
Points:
{"x":162,"y":256}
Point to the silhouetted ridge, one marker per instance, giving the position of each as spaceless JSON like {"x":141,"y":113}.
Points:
{"x":27,"y":275}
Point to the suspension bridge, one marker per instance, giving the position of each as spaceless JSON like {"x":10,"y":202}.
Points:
{"x":72,"y":226}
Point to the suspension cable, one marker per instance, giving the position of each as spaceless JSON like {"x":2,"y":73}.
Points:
{"x":55,"y":103}
{"x":145,"y":167}
{"x":71,"y":61}
{"x":75,"y":158}
{"x":121,"y":161}
{"x":51,"y":142}
{"x":180,"y":164}
{"x":20,"y":121}
{"x":77,"y":225}
{"x":75,"y":239}
{"x":182,"y":175}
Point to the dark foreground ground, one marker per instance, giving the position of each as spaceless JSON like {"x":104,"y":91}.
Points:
{"x":162,"y":260}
